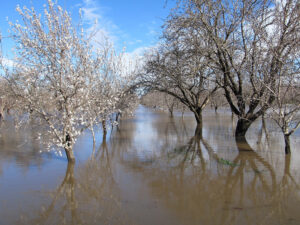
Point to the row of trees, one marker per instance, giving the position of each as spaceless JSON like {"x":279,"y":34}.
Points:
{"x":163,"y":101}
{"x":58,"y":78}
{"x":249,"y":50}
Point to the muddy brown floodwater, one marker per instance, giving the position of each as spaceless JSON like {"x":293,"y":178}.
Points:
{"x":153,"y":170}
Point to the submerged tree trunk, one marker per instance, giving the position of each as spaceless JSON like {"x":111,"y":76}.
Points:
{"x":241,"y":128}
{"x":198,"y":116}
{"x":198,"y":131}
{"x":216,"y":109}
{"x":1,"y":109}
{"x":242,"y":144}
{"x":264,"y":127}
{"x":70,"y":155}
{"x":287,"y":144}
{"x":104,"y":129}
{"x":69,"y":149}
{"x":94,"y":140}
{"x":117,"y":116}
{"x":93,"y":134}
{"x":287,"y":164}
{"x":171,"y":113}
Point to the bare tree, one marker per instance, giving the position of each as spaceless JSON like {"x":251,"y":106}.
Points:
{"x":247,"y":44}
{"x":57,"y":74}
{"x":286,"y":107}
{"x":175,"y":69}
{"x":218,"y":100}
{"x":162,"y":101}
{"x":170,"y":103}
{"x":153,"y":99}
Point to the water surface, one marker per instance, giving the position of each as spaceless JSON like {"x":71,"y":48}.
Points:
{"x":153,"y":170}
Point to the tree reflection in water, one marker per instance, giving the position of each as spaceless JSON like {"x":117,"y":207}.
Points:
{"x":174,"y":177}
{"x":287,"y":203}
{"x":201,"y":187}
{"x":21,"y":146}
{"x":64,"y":199}
{"x":90,"y":197}
{"x":249,"y":186}
{"x":191,"y":154}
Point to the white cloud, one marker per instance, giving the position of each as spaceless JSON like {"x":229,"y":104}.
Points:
{"x":133,"y":42}
{"x":103,"y":29}
{"x":133,"y":61}
{"x":108,"y":32}
{"x":7,"y":62}
{"x":152,"y":31}
{"x":139,"y":51}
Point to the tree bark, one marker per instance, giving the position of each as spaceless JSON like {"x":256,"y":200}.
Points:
{"x":70,"y":155}
{"x":104,"y":127}
{"x":198,"y":116}
{"x":171,"y":113}
{"x":241,"y":128}
{"x":242,"y":144}
{"x":94,"y":140}
{"x":287,"y":144}
{"x":198,"y":131}
{"x":117,"y":116}
{"x":69,"y":150}
{"x":287,"y":164}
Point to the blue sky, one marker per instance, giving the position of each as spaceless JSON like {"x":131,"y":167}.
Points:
{"x":134,"y":24}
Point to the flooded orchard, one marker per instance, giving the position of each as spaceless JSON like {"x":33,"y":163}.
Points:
{"x":152,"y":169}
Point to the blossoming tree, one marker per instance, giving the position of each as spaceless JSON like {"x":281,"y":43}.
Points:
{"x":58,"y":76}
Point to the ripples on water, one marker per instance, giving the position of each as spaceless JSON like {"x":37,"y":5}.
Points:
{"x":153,"y":170}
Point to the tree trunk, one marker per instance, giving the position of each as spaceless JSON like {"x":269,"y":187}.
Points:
{"x":241,"y":128}
{"x":69,"y":189}
{"x":198,"y":131}
{"x":104,"y":127}
{"x":70,"y":155}
{"x":171,"y":113}
{"x":242,"y":144}
{"x":69,"y":149}
{"x":94,"y":140}
{"x":287,"y":164}
{"x":287,"y":144}
{"x":198,"y":116}
{"x":69,"y":177}
{"x":117,"y":116}
{"x":103,"y":139}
